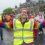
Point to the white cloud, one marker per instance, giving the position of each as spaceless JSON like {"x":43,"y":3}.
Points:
{"x":9,"y":3}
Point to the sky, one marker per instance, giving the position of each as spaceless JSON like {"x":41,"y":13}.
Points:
{"x":9,"y":3}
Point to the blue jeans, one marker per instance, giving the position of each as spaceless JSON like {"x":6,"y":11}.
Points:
{"x":1,"y":33}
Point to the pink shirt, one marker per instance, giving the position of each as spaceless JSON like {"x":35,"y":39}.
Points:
{"x":39,"y":18}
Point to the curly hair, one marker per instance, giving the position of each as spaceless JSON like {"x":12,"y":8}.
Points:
{"x":27,"y":9}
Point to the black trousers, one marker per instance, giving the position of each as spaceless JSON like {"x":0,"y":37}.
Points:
{"x":1,"y":33}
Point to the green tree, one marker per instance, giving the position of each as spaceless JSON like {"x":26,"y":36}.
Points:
{"x":8,"y":11}
{"x":42,"y":8}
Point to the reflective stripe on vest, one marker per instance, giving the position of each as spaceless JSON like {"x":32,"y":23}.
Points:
{"x":23,"y":37}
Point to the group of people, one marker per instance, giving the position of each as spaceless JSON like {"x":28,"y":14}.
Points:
{"x":26,"y":28}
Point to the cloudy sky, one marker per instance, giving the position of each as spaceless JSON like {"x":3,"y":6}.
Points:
{"x":9,"y":3}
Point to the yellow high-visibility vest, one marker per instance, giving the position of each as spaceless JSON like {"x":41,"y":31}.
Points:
{"x":0,"y":17}
{"x":23,"y":33}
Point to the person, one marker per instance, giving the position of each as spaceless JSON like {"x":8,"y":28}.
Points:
{"x":8,"y":20}
{"x":1,"y":30}
{"x":36,"y":23}
{"x":36,"y":29}
{"x":43,"y":29}
{"x":39,"y":31}
{"x":23,"y":29}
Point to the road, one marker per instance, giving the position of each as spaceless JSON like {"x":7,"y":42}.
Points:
{"x":7,"y":38}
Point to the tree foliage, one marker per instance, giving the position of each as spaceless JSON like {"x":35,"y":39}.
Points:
{"x":42,"y":8}
{"x":7,"y":11}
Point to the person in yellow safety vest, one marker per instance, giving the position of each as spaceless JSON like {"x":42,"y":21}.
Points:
{"x":23,"y":29}
{"x":1,"y":30}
